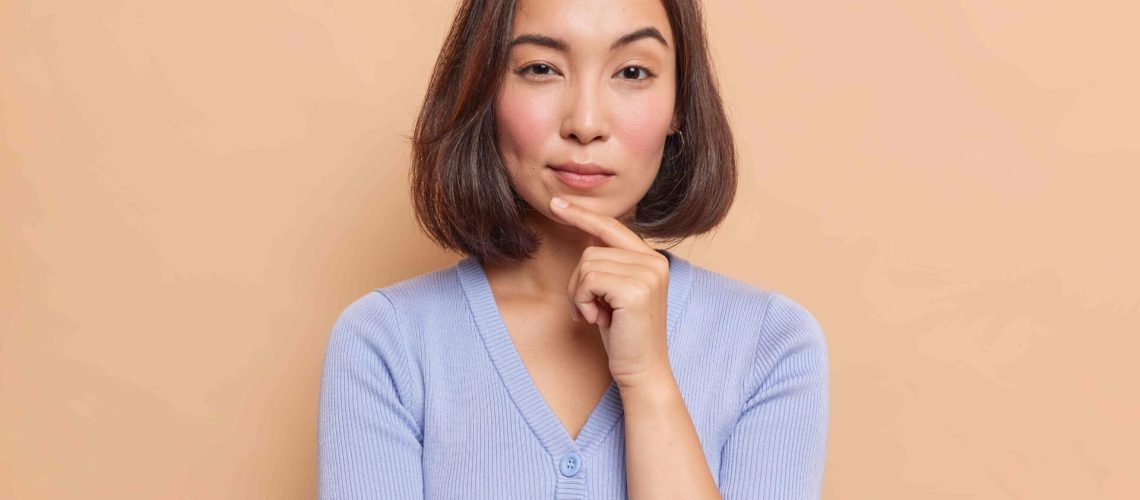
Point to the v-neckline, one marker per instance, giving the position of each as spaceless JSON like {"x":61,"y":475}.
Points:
{"x":517,"y":379}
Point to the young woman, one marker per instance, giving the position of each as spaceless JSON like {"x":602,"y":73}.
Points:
{"x":563,"y":356}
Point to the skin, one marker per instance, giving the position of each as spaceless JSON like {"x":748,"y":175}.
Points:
{"x":614,"y":108}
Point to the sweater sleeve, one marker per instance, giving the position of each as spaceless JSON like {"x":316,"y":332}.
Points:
{"x":369,"y":443}
{"x":778,"y":446}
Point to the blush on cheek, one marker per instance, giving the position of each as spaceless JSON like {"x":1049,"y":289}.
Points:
{"x":523,"y":122}
{"x":643,"y":124}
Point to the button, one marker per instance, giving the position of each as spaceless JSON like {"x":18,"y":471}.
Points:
{"x":571,"y":462}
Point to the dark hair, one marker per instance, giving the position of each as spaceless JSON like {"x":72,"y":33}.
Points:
{"x":461,"y":191}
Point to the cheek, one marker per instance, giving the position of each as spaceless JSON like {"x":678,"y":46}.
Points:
{"x":642,"y":123}
{"x":523,"y":122}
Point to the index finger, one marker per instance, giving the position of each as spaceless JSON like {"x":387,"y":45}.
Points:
{"x":608,"y":230}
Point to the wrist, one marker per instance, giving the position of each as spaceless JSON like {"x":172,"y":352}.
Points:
{"x":654,"y":384}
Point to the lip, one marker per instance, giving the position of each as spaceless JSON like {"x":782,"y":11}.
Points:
{"x":571,"y":176}
{"x":582,"y":168}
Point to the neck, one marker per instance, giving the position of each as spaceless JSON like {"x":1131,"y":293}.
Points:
{"x":547,"y":272}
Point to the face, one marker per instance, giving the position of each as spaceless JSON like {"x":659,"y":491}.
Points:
{"x":575,"y":93}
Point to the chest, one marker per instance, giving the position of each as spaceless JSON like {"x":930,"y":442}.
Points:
{"x":566,"y":360}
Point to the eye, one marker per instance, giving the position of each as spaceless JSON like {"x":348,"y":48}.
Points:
{"x":540,"y":70}
{"x":634,"y":71}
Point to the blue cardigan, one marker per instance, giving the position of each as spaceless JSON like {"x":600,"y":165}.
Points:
{"x":423,"y":395}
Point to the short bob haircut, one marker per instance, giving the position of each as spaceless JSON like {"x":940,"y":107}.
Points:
{"x":461,"y":191}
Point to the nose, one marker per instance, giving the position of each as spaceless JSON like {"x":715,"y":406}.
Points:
{"x":586,"y":116}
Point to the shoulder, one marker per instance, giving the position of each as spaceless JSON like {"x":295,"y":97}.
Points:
{"x":427,"y":291}
{"x":776,"y":321}
{"x":721,"y":288}
{"x":385,"y":311}
{"x":788,"y":327}
{"x":727,"y":301}
{"x":428,"y":287}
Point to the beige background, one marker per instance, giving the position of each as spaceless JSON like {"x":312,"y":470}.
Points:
{"x":190,"y":192}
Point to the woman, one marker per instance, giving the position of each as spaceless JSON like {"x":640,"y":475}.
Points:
{"x":564,"y":357}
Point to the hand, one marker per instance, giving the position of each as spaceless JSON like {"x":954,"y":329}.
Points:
{"x":621,"y":286}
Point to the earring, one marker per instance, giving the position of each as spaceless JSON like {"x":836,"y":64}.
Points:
{"x":680,"y":147}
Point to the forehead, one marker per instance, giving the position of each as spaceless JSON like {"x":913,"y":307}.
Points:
{"x":593,"y":23}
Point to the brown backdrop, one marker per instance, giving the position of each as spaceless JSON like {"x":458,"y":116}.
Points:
{"x":191,"y":191}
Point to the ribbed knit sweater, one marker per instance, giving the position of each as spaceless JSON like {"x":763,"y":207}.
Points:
{"x":424,"y":395}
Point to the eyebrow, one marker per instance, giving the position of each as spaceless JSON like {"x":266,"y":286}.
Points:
{"x":562,"y":46}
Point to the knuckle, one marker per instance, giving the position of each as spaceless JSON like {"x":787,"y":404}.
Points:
{"x":655,"y":280}
{"x":589,"y":276}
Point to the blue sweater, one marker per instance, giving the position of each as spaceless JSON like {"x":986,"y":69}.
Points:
{"x":423,"y":395}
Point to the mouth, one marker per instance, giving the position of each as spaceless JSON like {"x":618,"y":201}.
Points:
{"x":581,"y":176}
{"x":582,"y":168}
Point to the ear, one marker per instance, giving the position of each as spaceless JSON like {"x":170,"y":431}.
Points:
{"x":675,"y":125}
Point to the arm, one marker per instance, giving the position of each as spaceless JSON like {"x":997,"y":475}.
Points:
{"x":368,"y":439}
{"x":778,"y":447}
{"x":663,"y":453}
